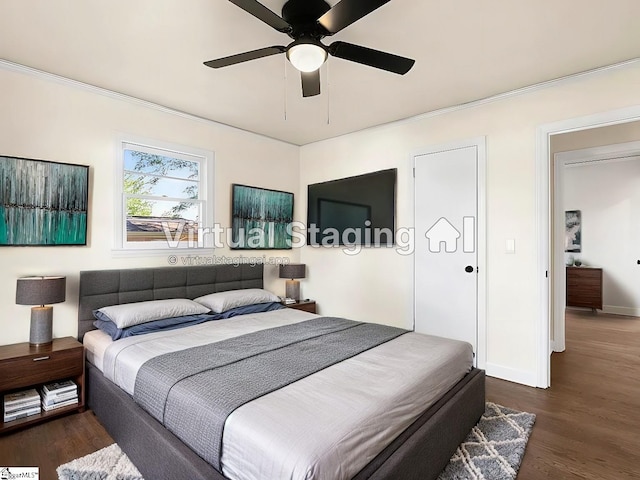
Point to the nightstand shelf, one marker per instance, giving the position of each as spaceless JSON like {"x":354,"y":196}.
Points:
{"x":304,"y":305}
{"x":23,"y":366}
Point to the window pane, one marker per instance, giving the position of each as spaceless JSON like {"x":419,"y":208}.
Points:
{"x":159,"y":187}
{"x":147,"y":220}
{"x":135,"y":161}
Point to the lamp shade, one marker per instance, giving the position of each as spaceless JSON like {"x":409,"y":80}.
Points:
{"x":293,"y":270}
{"x":40,"y":290}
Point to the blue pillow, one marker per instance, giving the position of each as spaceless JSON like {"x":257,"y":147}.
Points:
{"x":116,"y":333}
{"x":255,"y":308}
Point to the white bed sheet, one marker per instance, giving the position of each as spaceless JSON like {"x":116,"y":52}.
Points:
{"x":327,"y":426}
{"x":95,"y":344}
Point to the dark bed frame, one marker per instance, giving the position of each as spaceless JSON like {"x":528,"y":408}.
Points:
{"x":420,"y":452}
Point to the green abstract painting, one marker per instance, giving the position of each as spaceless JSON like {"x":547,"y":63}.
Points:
{"x":42,"y":203}
{"x":260,"y":218}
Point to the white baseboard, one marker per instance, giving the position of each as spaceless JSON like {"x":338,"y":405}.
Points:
{"x":615,"y":310}
{"x":556,"y":347}
{"x":524,"y":377}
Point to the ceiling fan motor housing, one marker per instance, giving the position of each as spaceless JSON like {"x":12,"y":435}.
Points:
{"x":303,"y":17}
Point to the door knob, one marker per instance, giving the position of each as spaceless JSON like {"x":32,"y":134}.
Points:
{"x":468,"y":269}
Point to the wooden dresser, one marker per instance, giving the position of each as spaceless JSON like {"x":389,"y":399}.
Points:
{"x":584,"y":287}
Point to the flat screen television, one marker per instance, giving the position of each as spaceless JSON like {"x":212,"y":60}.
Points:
{"x":353,"y":211}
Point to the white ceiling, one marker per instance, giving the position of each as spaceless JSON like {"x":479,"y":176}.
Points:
{"x":464,"y":50}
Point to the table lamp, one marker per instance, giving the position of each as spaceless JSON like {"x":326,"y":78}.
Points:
{"x":41,"y":291}
{"x":293,"y":271}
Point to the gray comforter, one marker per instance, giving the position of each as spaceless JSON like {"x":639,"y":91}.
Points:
{"x":193,"y":391}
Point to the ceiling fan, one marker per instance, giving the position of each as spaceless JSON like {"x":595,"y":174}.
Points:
{"x":307,"y":22}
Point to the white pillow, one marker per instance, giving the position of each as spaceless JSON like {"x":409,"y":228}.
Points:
{"x":129,"y":314}
{"x":223,"y":301}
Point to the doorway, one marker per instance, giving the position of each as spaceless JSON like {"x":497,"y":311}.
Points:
{"x":546,"y":267}
{"x":602,"y":181}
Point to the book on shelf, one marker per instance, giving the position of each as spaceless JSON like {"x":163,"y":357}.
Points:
{"x":21,"y":397}
{"x":59,"y":387}
{"x":50,"y":399}
{"x":66,"y":403}
{"x":21,"y":413}
{"x":10,"y":409}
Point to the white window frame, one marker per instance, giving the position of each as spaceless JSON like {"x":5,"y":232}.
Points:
{"x":205,"y":196}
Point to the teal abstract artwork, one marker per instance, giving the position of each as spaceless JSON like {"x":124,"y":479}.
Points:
{"x":261,"y":218}
{"x":42,"y":203}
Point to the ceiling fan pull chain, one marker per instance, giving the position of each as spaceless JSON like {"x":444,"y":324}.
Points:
{"x":285,"y":89}
{"x":328,"y":95}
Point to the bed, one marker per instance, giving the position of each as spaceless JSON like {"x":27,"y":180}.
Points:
{"x":420,"y":450}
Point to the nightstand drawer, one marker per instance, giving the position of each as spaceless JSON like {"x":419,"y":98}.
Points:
{"x":37,"y":368}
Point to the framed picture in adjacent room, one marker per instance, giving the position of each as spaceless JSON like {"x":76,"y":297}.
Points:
{"x":42,"y":203}
{"x":260,"y":218}
{"x":573,"y":231}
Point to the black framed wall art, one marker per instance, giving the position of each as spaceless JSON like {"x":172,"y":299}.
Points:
{"x":573,"y":231}
{"x":42,"y":203}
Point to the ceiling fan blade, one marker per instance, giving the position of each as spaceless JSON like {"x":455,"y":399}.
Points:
{"x":310,"y":83}
{"x":373,"y":58}
{"x":346,"y":12}
{"x":263,"y":13}
{"x":245,"y":57}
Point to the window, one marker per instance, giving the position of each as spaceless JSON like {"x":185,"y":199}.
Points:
{"x":165,"y":196}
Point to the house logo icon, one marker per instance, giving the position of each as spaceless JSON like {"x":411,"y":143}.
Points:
{"x":444,"y":233}
{"x":5,"y":473}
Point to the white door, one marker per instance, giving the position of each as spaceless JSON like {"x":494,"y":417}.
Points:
{"x":446,"y":254}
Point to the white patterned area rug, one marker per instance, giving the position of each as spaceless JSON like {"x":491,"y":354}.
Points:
{"x":110,"y":463}
{"x":494,"y":448}
{"x":492,"y":451}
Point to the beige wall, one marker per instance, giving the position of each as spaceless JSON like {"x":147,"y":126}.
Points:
{"x":377,"y":284}
{"x":50,"y":120}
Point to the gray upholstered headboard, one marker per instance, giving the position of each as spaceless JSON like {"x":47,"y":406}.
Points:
{"x":100,"y":288}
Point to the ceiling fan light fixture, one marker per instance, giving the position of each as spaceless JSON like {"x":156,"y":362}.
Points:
{"x":306,"y":56}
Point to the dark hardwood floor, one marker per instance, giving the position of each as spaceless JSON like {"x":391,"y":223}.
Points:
{"x":588,"y":422}
{"x":49,"y":445}
{"x":587,"y":426}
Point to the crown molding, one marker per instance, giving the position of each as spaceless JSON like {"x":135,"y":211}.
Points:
{"x":498,"y":97}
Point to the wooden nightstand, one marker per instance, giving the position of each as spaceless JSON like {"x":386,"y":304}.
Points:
{"x":304,"y":305}
{"x":584,"y":287}
{"x":23,"y":366}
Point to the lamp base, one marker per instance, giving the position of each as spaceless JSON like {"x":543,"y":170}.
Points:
{"x":41,"y":326}
{"x":292,"y":289}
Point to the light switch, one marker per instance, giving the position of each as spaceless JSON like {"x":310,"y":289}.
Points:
{"x":510,"y":245}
